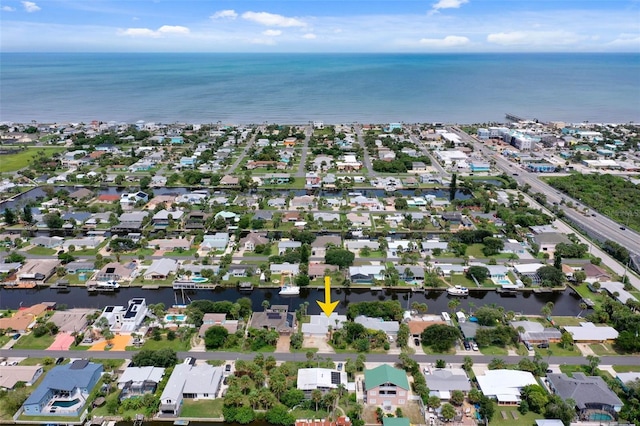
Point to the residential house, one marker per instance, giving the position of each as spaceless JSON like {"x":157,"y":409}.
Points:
{"x":322,"y":163}
{"x":547,"y":241}
{"x":195,"y":220}
{"x":528,"y":270}
{"x":130,"y":199}
{"x":211,"y":319}
{"x":505,"y":386}
{"x":386,"y":387}
{"x":302,"y":202}
{"x":10,"y":375}
{"x":252,"y":240}
{"x":160,"y":269}
{"x":229,"y":181}
{"x":594,"y":272}
{"x":287,"y":245}
{"x":357,"y":245}
{"x":23,"y":319}
{"x":378,"y":324}
{"x":276,"y":318}
{"x":195,"y":197}
{"x":217,"y":241}
{"x":429,"y":245}
{"x":317,"y":270}
{"x":164,"y":217}
{"x":366,"y":274}
{"x":196,"y":382}
{"x":79,"y":267}
{"x":136,"y":381}
{"x":130,"y":222}
{"x":285,"y":268}
{"x":348,"y":163}
{"x":229,"y":217}
{"x":588,"y":332}
{"x":410,"y":273}
{"x":86,"y":243}
{"x":616,"y":290}
{"x":590,"y":393}
{"x":325,"y":217}
{"x":37,"y":270}
{"x":359,"y":220}
{"x":278,"y":202}
{"x":318,"y":325}
{"x":535,"y":333}
{"x":340,"y":421}
{"x":47,"y":242}
{"x":366,"y":203}
{"x":239,"y":271}
{"x":73,"y":382}
{"x":442,"y":381}
{"x":170,"y":244}
{"x":81,"y":193}
{"x":320,"y":244}
{"x":292,"y":217}
{"x":322,"y":379}
{"x":276,"y":178}
{"x":418,"y":167}
{"x":312,"y":180}
{"x":126,"y":319}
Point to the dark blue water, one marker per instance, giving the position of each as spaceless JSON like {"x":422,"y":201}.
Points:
{"x":336,"y":88}
{"x":566,"y":303}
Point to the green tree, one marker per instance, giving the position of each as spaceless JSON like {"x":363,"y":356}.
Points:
{"x":594,"y":362}
{"x":53,"y":221}
{"x":279,"y":415}
{"x":448,"y":411}
{"x":215,"y":337}
{"x":27,"y":214}
{"x":340,"y":257}
{"x":457,"y":397}
{"x":479,"y":272}
{"x":9,"y":216}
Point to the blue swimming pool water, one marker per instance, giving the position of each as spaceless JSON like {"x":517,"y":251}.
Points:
{"x":178,"y":317}
{"x":600,"y":416}
{"x":65,"y":404}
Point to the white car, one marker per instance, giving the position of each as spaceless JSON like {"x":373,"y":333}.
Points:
{"x":474,"y":346}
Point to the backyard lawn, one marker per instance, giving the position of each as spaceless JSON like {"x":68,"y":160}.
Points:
{"x":528,"y":419}
{"x":202,"y":409}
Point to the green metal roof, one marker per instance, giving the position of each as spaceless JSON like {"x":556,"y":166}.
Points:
{"x":395,"y":421}
{"x":386,"y":374}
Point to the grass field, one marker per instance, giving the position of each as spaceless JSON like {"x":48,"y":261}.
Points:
{"x":202,"y":409}
{"x":20,"y":160}
{"x":29,"y":341}
{"x":41,"y":251}
{"x":493,"y":350}
{"x":557,"y":350}
{"x":528,"y":419}
{"x":626,"y":368}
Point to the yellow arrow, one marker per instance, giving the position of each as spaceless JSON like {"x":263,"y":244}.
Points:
{"x":327,"y":306}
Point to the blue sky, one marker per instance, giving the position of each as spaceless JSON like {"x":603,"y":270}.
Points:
{"x":320,"y":26}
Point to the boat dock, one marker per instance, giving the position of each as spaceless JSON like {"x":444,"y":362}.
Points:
{"x":150,"y":287}
{"x":245,"y":286}
{"x":190,"y":285}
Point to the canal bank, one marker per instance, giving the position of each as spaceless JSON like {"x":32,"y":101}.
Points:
{"x":566,"y":303}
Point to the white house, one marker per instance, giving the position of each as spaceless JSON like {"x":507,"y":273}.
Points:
{"x":505,"y":385}
{"x":190,"y":382}
{"x":125,"y":320}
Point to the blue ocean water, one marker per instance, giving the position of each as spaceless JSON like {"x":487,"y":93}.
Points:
{"x":335,"y":88}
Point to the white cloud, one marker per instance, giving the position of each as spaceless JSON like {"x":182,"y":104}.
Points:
{"x":272,"y":33}
{"x":534,"y":38}
{"x":147,"y":32}
{"x":30,"y":6}
{"x":173,"y":29}
{"x":448,"y":41}
{"x":627,"y":40}
{"x":8,"y":9}
{"x":272,"y":20}
{"x":310,"y":36}
{"x":449,"y":4}
{"x":225,"y":14}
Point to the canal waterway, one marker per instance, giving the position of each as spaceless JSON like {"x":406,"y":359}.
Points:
{"x":528,"y":303}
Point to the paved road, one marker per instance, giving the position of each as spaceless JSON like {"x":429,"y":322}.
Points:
{"x":248,"y":146}
{"x":366,"y":159}
{"x":477,"y":358}
{"x":598,"y":226}
{"x":308,"y":131}
{"x":425,"y":151}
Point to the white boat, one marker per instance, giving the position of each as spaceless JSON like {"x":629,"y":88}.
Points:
{"x":289,"y":290}
{"x":355,"y":194}
{"x":108,"y":284}
{"x":458,"y":291}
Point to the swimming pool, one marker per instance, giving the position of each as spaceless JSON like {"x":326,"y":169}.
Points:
{"x":175,"y":318}
{"x":600,"y":416}
{"x":504,"y":282}
{"x":65,"y":404}
{"x":199,"y":279}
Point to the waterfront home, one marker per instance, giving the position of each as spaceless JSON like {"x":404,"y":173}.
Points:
{"x":276,"y":318}
{"x":229,"y":217}
{"x":239,"y":271}
{"x":429,"y":245}
{"x":128,"y":200}
{"x":81,"y":193}
{"x":23,"y":319}
{"x":69,"y":385}
{"x":291,"y":217}
{"x":326,"y":217}
{"x":442,"y":381}
{"x":10,"y":375}
{"x":215,"y":242}
{"x":195,"y":220}
{"x":357,"y":245}
{"x":211,"y":319}
{"x":130,"y":222}
{"x":86,"y":243}
{"x":170,"y":244}
{"x":594,"y":272}
{"x":229,"y":181}
{"x":410,"y":272}
{"x":616,"y":290}
{"x":358,"y":219}
{"x":396,"y":247}
{"x":312,"y":180}
{"x":37,"y":270}
{"x":386,"y":387}
{"x":136,"y":381}
{"x":505,"y":386}
{"x":160,"y":269}
{"x":378,"y":324}
{"x":317,"y":270}
{"x":366,"y":203}
{"x":528,"y":270}
{"x":318,"y":325}
{"x":115,"y":271}
{"x":188,"y":381}
{"x":285,"y":268}
{"x":252,"y":240}
{"x":278,"y":202}
{"x":195,"y":197}
{"x":322,"y":379}
{"x":320,"y":244}
{"x":340,"y":421}
{"x":302,"y":202}
{"x":366,"y":274}
{"x":125,"y":319}
{"x":590,"y":393}
{"x":276,"y":178}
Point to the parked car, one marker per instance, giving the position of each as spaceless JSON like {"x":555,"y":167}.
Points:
{"x":16,"y":336}
{"x":474,"y":346}
{"x":466,"y":345}
{"x":416,"y":341}
{"x":59,"y":360}
{"x":543,"y":345}
{"x":339,"y":366}
{"x":227,"y":368}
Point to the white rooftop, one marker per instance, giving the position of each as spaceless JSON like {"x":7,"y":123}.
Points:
{"x":588,"y":331}
{"x":505,"y":385}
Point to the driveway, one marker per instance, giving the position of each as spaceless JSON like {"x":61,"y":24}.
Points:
{"x":283,"y":345}
{"x":318,"y":342}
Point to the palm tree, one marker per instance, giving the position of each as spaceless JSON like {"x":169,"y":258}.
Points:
{"x":265,"y":304}
{"x":316,"y":397}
